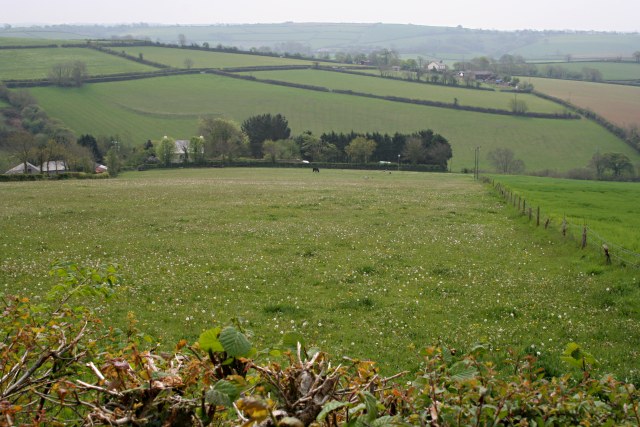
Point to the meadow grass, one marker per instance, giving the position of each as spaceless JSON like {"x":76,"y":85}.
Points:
{"x":610,"y":209}
{"x":617,"y":103}
{"x":363,"y":264}
{"x":36,"y":63}
{"x":412,"y":90}
{"x":175,"y":57}
{"x":151,"y":108}
{"x":610,"y":70}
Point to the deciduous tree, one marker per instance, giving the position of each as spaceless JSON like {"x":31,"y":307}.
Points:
{"x":360,"y":149}
{"x":504,"y":161}
{"x":166,"y":149}
{"x":223,"y":137}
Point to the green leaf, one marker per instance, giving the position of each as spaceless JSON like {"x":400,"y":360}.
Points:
{"x":371,"y":404}
{"x":234,"y":342}
{"x":387,"y":420}
{"x":222,"y":393}
{"x":461,"y":372}
{"x":290,"y":341}
{"x":209,"y":340}
{"x":330,"y":407}
{"x":275,"y":353}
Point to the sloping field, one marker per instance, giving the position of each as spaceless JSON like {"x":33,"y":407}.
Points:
{"x":610,"y":70}
{"x":364,"y":265}
{"x":404,"y":89}
{"x":610,"y":209}
{"x":36,"y":63}
{"x":617,"y":103}
{"x":202,"y":59}
{"x":150,"y":108}
{"x":587,"y":46}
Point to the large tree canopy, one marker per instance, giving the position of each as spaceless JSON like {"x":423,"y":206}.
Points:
{"x":265,"y":127}
{"x":222,"y":137}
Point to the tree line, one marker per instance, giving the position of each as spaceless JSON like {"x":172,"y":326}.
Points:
{"x":268,"y":137}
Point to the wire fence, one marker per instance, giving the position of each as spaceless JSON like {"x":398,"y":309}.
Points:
{"x":588,"y":238}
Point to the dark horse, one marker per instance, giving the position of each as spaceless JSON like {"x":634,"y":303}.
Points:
{"x":316,"y":170}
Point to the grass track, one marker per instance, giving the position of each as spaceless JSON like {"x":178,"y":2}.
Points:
{"x":364,"y":264}
{"x":148,"y":109}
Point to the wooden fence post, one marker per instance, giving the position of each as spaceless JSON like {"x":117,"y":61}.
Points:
{"x":564,"y":226}
{"x":606,"y":253}
{"x":530,"y":213}
{"x":584,"y":236}
{"x":538,"y":217}
{"x":546,"y":223}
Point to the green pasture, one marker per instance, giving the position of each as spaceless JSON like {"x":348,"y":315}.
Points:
{"x":580,"y":46}
{"x":363,"y":264}
{"x":610,"y":209}
{"x":610,"y":70}
{"x":36,"y":63}
{"x":175,"y":57}
{"x":151,"y":108}
{"x":20,"y":38}
{"x":617,"y":103}
{"x":405,"y":89}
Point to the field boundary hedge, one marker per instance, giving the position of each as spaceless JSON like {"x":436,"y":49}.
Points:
{"x":611,"y":127}
{"x":50,"y":177}
{"x":70,"y":369}
{"x":438,"y":104}
{"x":287,"y":164}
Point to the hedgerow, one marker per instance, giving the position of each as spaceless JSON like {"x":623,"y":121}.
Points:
{"x":62,"y":366}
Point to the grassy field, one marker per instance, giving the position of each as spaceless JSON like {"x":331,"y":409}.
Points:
{"x":588,"y":46}
{"x":608,"y":208}
{"x":610,"y":70}
{"x":201,"y":59}
{"x":386,"y":87}
{"x":148,"y":109}
{"x":617,"y":103}
{"x":364,"y":264}
{"x":6,"y":40}
{"x":36,"y":63}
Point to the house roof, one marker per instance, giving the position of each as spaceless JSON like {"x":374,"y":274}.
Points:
{"x":182,"y":145}
{"x":20,"y":169}
{"x":54,"y":166}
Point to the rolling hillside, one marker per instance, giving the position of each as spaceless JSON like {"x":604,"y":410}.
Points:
{"x":617,"y":103}
{"x":36,"y":63}
{"x":308,"y":38}
{"x":138,"y":110}
{"x":148,"y":109}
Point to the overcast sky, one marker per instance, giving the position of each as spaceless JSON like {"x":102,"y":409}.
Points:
{"x":608,"y":15}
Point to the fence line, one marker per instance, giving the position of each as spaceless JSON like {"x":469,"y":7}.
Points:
{"x":589,"y":237}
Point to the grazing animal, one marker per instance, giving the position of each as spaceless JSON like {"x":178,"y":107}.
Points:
{"x":316,"y":170}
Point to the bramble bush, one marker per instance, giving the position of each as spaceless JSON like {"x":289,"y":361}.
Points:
{"x":62,"y":366}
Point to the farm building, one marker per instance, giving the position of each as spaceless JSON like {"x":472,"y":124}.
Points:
{"x":437,"y":66}
{"x":30,"y":169}
{"x":183,"y":151}
{"x":52,"y":167}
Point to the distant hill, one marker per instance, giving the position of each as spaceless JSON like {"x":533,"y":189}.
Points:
{"x":318,"y":38}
